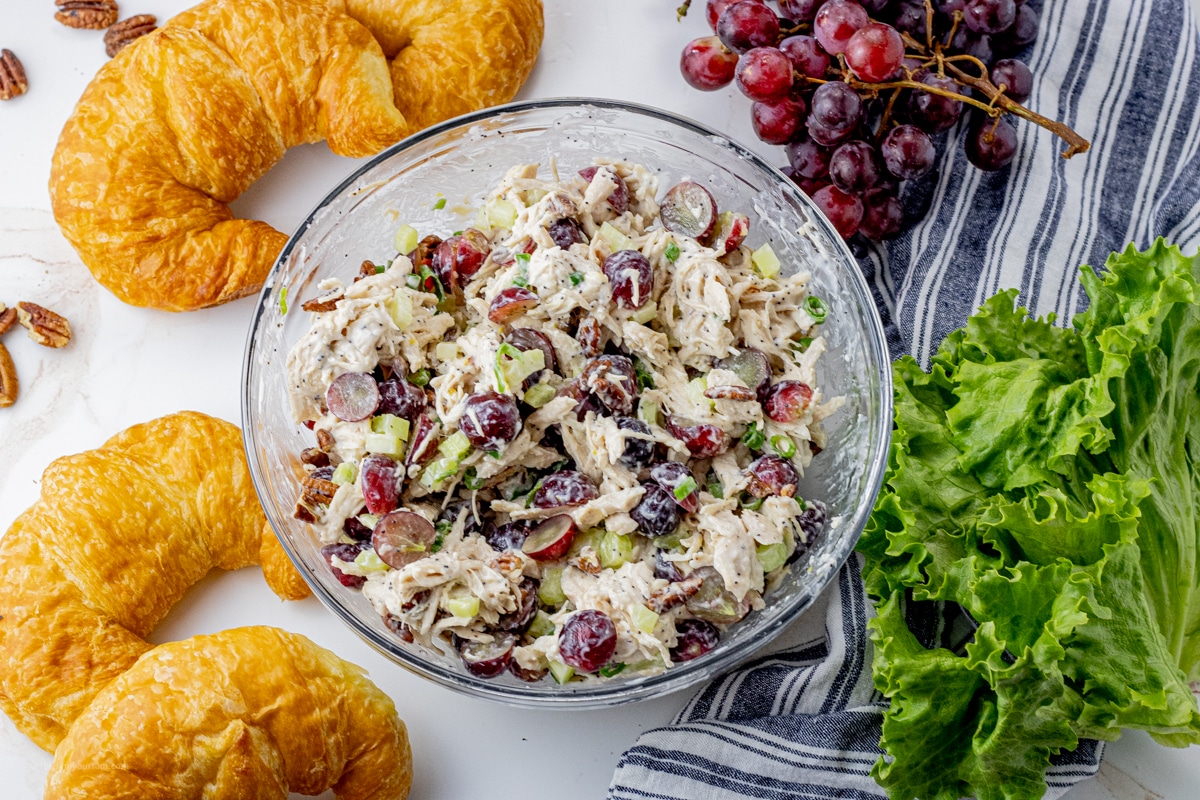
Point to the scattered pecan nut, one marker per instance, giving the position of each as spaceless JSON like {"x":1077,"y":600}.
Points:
{"x":8,"y":318}
{"x":12,"y":76}
{"x":673,"y":594}
{"x":325,"y":440}
{"x":367,"y":270}
{"x":740,"y":393}
{"x":590,"y":337}
{"x":322,"y":303}
{"x":8,"y":379}
{"x":314,"y":456}
{"x":45,"y":327}
{"x":303,"y":514}
{"x":318,"y":491}
{"x":92,"y":15}
{"x":125,"y":31}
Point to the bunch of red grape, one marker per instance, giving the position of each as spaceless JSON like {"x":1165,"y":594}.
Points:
{"x":857,"y":91}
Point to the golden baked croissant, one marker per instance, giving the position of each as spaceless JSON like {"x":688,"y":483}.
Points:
{"x":117,"y":537}
{"x":186,"y":118}
{"x":247,"y":713}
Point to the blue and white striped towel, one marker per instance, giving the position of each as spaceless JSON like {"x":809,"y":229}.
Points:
{"x":804,"y":721}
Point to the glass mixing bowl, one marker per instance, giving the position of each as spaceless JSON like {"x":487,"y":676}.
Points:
{"x":461,"y":160}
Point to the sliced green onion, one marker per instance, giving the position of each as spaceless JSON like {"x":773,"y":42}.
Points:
{"x":522,"y":259}
{"x":685,"y":488}
{"x":440,"y":204}
{"x":381,"y":268}
{"x":513,"y":366}
{"x":783,"y":445}
{"x":576,"y":278}
{"x":716,"y":489}
{"x":457,"y":233}
{"x":420,"y":377}
{"x":816,"y":308}
{"x":609,"y":670}
{"x":519,"y":281}
{"x":672,"y":252}
{"x":752,"y":503}
{"x":283,"y":301}
{"x":753,"y":437}
{"x":438,"y":541}
{"x":413,"y":282}
{"x":471,"y":481}
{"x":801,"y":345}
{"x":405,"y":240}
{"x":642,"y":374}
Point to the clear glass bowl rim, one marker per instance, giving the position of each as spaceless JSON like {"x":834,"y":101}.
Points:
{"x":599,"y":694}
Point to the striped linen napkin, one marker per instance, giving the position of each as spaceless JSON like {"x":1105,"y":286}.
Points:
{"x":804,"y":720}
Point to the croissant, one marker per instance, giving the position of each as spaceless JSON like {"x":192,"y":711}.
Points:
{"x":117,"y":537}
{"x":186,"y":118}
{"x":247,"y":713}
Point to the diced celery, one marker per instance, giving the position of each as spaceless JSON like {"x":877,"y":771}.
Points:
{"x":406,"y":239}
{"x":645,"y":313}
{"x":455,"y":446}
{"x":391,"y":425}
{"x":550,"y":590}
{"x":369,"y":520}
{"x":672,"y":541}
{"x":648,"y":412}
{"x":513,"y":366}
{"x":615,"y":239}
{"x":643,"y":618}
{"x":438,"y":472}
{"x":614,"y":549}
{"x":589,"y":538}
{"x":533,"y":195}
{"x":695,"y":391}
{"x":561,"y":672}
{"x":463,"y":607}
{"x":500,"y":213}
{"x":384,"y":444}
{"x":772,"y":556}
{"x":446,"y":351}
{"x":766,"y":262}
{"x":346,"y":472}
{"x":400,"y":309}
{"x":541,"y":625}
{"x":539,"y":394}
{"x":369,"y":561}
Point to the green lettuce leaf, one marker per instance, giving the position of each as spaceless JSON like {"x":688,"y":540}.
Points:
{"x":1045,"y":480}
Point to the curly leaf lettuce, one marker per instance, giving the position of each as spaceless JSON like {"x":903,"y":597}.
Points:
{"x":1047,"y":481}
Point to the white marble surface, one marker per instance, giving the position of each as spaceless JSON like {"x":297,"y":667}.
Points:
{"x":127,"y":365}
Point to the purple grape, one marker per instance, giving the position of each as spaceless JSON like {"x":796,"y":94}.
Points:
{"x":488,"y":659}
{"x":688,"y":209}
{"x":490,"y":420}
{"x":809,"y":159}
{"x":402,"y":537}
{"x":909,"y":18}
{"x":345,"y":552}
{"x":511,"y":303}
{"x":1015,"y":77}
{"x":398,"y":396}
{"x":637,"y":452}
{"x":806,"y":55}
{"x":527,"y":605}
{"x":612,"y":381}
{"x":380,"y":483}
{"x":509,"y":536}
{"x":702,"y":440}
{"x":908,"y":152}
{"x":1023,"y":32}
{"x":772,"y":475}
{"x":843,"y":210}
{"x":934,"y":112}
{"x":657,"y":513}
{"x":991,"y":144}
{"x":422,"y":443}
{"x":458,"y":258}
{"x":551,"y":539}
{"x":667,"y":570}
{"x":747,"y":24}
{"x":812,"y":522}
{"x":526,"y":339}
{"x":836,"y":21}
{"x":989,"y":16}
{"x":566,"y":231}
{"x":706,"y":64}
{"x":875,"y":52}
{"x":764,"y":73}
{"x":751,"y":366}
{"x":778,"y":122}
{"x":854,"y":167}
{"x":619,"y":199}
{"x":787,"y":400}
{"x":356,"y":530}
{"x":565,"y":488}
{"x":883,"y":215}
{"x":800,"y":10}
{"x":352,"y":396}
{"x":459,"y":508}
{"x":713,"y":9}
{"x":971,"y":43}
{"x":587,"y":639}
{"x":836,"y":108}
{"x":948,"y":7}
{"x":631,"y":276}
{"x":693,"y":638}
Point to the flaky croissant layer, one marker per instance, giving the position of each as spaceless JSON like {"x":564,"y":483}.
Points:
{"x":247,"y":713}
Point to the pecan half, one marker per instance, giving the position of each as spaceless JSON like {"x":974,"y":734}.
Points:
{"x":587,"y":561}
{"x":324,"y":440}
{"x":322,"y":303}
{"x":92,"y":15}
{"x":367,"y":270}
{"x":730,"y":393}
{"x":8,"y":379}
{"x":303,"y":514}
{"x":45,"y":327}
{"x":590,"y":337}
{"x":673,"y":594}
{"x":125,"y":31}
{"x":318,"y":491}
{"x":8,"y":318}
{"x":314,"y":456}
{"x":12,"y":76}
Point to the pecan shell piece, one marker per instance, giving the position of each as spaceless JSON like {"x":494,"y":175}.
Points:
{"x":12,"y":76}
{"x":92,"y":15}
{"x":44,"y":326}
{"x":125,"y":31}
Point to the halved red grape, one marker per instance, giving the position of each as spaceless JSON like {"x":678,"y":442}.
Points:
{"x":566,"y":232}
{"x":619,"y":199}
{"x":564,"y":489}
{"x":702,"y":440}
{"x":509,"y":536}
{"x":505,"y":256}
{"x":402,"y":537}
{"x":458,"y":258}
{"x":747,"y":24}
{"x":812,"y":521}
{"x":631,"y":276}
{"x":730,"y":231}
{"x":787,"y":400}
{"x":526,"y":339}
{"x":991,"y":144}
{"x":693,"y":638}
{"x":510,"y":303}
{"x":778,"y":121}
{"x":527,"y":605}
{"x":752,"y":366}
{"x":908,"y":152}
{"x":688,"y":209}
{"x":344,"y":552}
{"x":706,"y":64}
{"x":854,"y":167}
{"x":488,"y":659}
{"x":613,"y":381}
{"x":806,"y":55}
{"x":587,"y":639}
{"x":875,"y":52}
{"x":551,"y":539}
{"x":490,"y":420}
{"x":380,"y":483}
{"x":843,"y":210}
{"x":423,"y":442}
{"x":352,"y":396}
{"x":398,"y":396}
{"x":836,"y":22}
{"x":657,"y":513}
{"x":771,"y":475}
{"x":667,"y":570}
{"x":764,"y":73}
{"x":713,"y":602}
{"x":356,"y":530}
{"x":676,"y":478}
{"x":637,"y":452}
